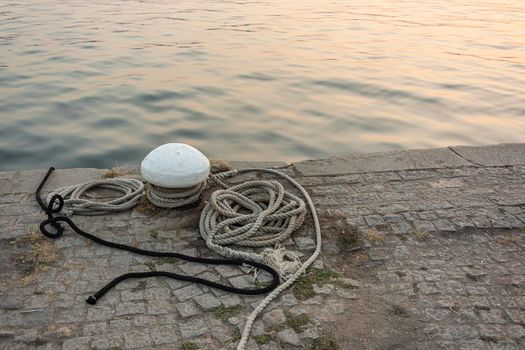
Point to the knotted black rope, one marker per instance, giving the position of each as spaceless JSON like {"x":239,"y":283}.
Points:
{"x":56,"y":204}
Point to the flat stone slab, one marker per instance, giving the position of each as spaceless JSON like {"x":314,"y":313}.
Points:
{"x":245,"y":165}
{"x":382,"y":161}
{"x":27,"y":181}
{"x":440,"y":263}
{"x":493,"y":155}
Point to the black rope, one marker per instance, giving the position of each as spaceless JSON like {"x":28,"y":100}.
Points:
{"x":55,"y":206}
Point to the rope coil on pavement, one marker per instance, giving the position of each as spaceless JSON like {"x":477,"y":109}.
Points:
{"x":131,"y":190}
{"x":173,"y":198}
{"x":55,"y":206}
{"x":252,"y":213}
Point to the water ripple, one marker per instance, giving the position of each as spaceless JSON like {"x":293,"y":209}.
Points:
{"x":101,"y":83}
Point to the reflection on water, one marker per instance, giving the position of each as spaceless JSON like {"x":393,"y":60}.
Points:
{"x":99,"y":83}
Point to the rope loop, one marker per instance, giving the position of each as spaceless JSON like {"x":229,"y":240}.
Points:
{"x":175,"y":198}
{"x":51,"y":220}
{"x":72,"y":202}
{"x":253,"y":214}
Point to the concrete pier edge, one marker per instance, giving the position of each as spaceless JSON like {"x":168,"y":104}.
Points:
{"x":422,"y":249}
{"x":501,"y":155}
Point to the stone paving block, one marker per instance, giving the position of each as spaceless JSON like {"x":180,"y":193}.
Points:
{"x":379,"y":253}
{"x":106,"y":341}
{"x":187,"y":292}
{"x":82,"y":343}
{"x":207,"y":301}
{"x":305,"y":243}
{"x":157,"y":307}
{"x":144,"y":321}
{"x":99,"y":313}
{"x":132,"y":295}
{"x":95,"y":328}
{"x":424,"y":226}
{"x":374,"y":220}
{"x":12,"y":302}
{"x":120,"y":325}
{"x":492,"y":316}
{"x":288,"y":336}
{"x":193,"y":268}
{"x":494,"y":155}
{"x":227,"y":271}
{"x":130,"y":308}
{"x":242,"y":281}
{"x":164,"y":335}
{"x":187,"y":309}
{"x":274,"y":317}
{"x":230,"y":300}
{"x":516,"y":315}
{"x":192,"y":329}
{"x":136,"y":340}
{"x":401,"y":227}
{"x":443,"y":225}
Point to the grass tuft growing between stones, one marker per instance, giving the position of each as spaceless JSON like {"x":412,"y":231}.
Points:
{"x":296,"y":322}
{"x":219,"y":165}
{"x":147,"y":208}
{"x":154,"y":233}
{"x":150,"y":265}
{"x":348,"y":237}
{"x":189,"y":346}
{"x":115,"y":172}
{"x":263,"y":339}
{"x":304,"y":287}
{"x":224,"y":313}
{"x":165,"y":260}
{"x":326,"y":341}
{"x":236,"y":335}
{"x":508,"y":240}
{"x":422,"y":235}
{"x":39,"y":254}
{"x":374,"y":236}
{"x":399,"y":310}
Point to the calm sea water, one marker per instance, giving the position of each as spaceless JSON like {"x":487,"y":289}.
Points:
{"x":100,"y":83}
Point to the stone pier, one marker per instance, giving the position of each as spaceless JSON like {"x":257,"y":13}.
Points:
{"x":422,"y":249}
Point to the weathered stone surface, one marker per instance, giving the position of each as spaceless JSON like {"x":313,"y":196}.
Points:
{"x":384,"y":161}
{"x":207,"y":301}
{"x":288,"y":336}
{"x":274,"y":317}
{"x":495,"y":155}
{"x":27,"y":181}
{"x":443,"y":247}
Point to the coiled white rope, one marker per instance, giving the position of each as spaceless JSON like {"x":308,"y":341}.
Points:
{"x":256,"y":214}
{"x":174,"y":197}
{"x":73,"y":203}
{"x":253,"y":214}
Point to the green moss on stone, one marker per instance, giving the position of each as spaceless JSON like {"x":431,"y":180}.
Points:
{"x":224,"y":313}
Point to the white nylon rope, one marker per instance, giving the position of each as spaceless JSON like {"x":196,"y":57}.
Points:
{"x":73,"y":203}
{"x":226,"y":219}
{"x":283,"y":215}
{"x":174,"y":197}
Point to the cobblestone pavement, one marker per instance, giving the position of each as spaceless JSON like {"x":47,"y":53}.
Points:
{"x":412,"y":259}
